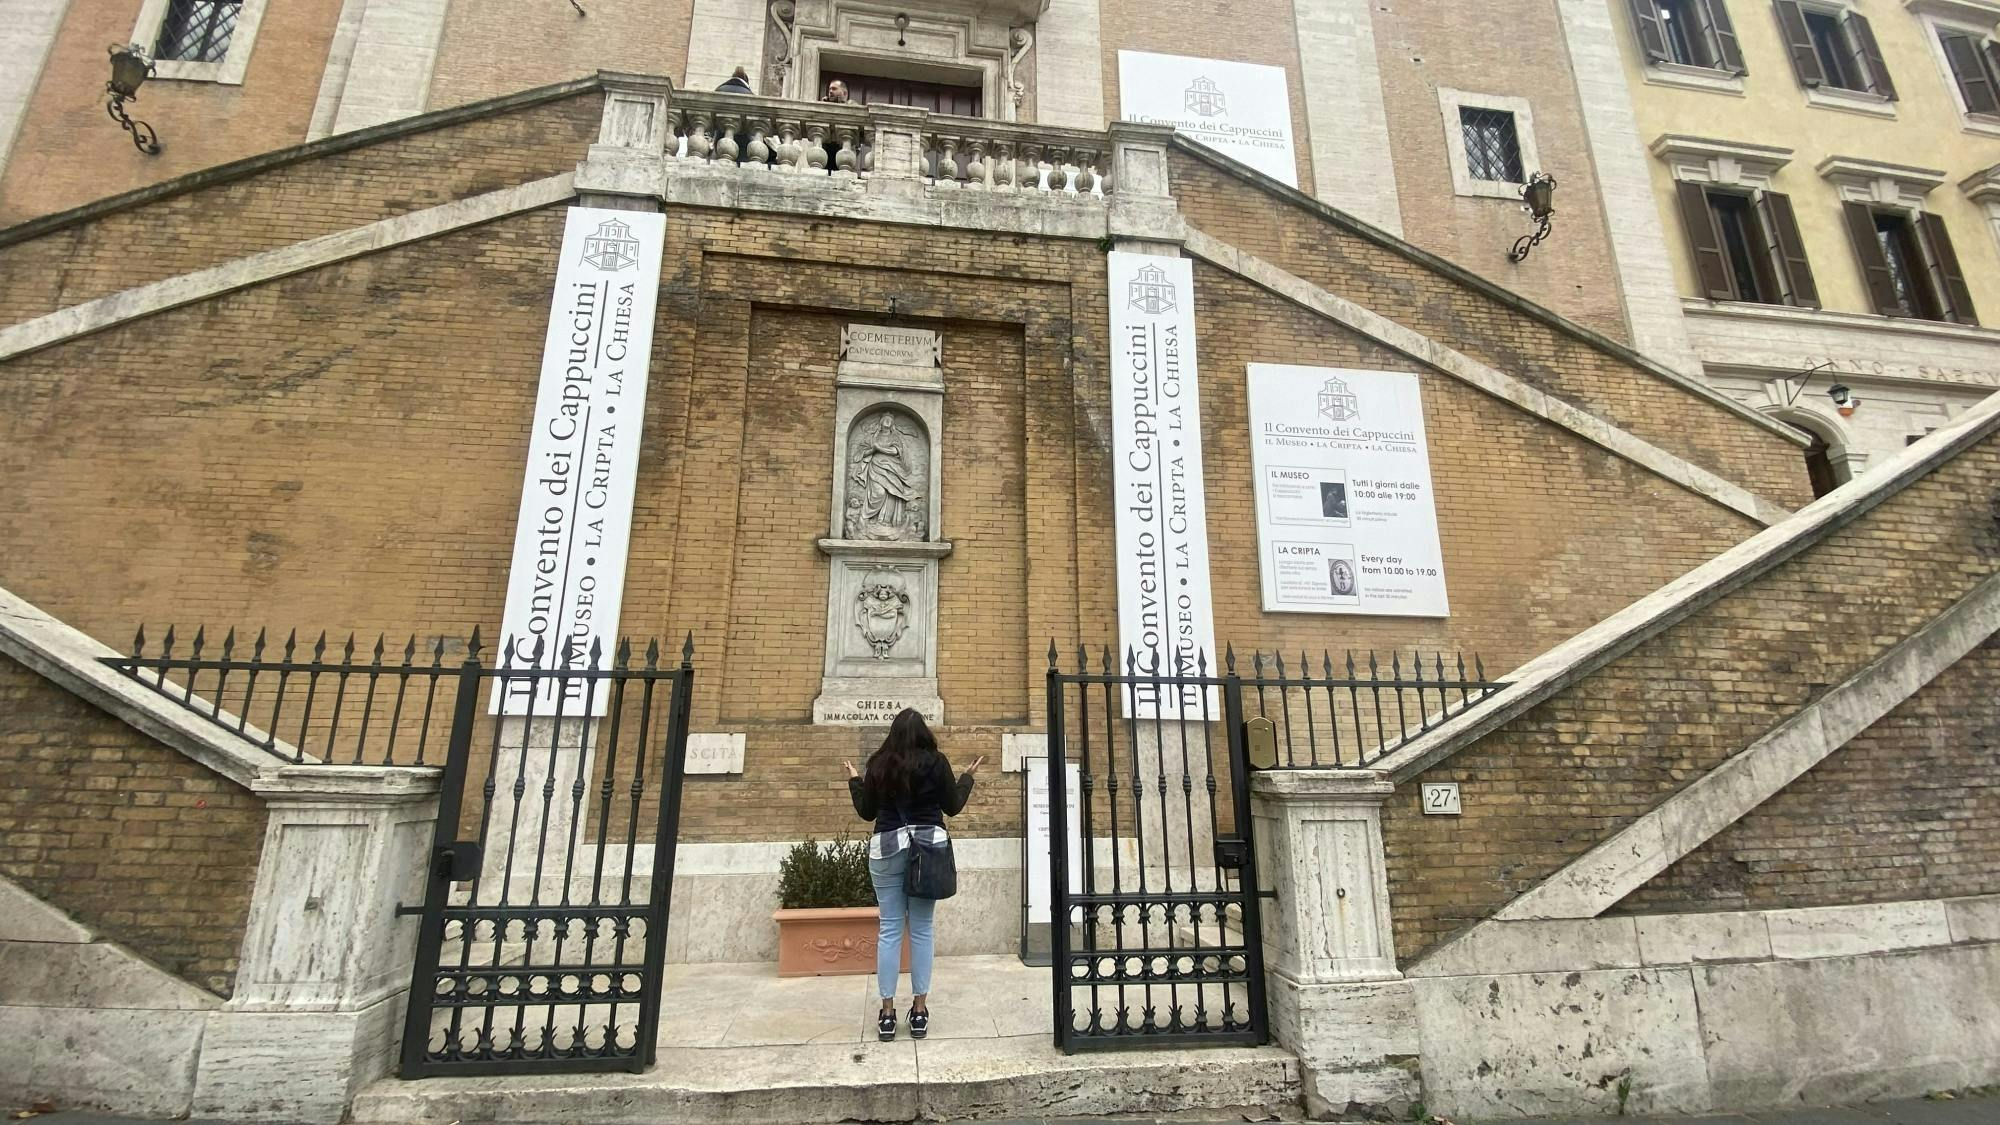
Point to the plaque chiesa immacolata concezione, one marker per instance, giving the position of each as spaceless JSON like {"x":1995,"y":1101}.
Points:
{"x":883,"y":541}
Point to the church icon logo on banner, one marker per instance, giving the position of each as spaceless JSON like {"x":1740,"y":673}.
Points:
{"x":1151,"y":292}
{"x":612,"y":248}
{"x":1206,"y":98}
{"x":1338,"y":403}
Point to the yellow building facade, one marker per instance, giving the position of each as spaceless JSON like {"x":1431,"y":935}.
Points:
{"x":1825,"y":179}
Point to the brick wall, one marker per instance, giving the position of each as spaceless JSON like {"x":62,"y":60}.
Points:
{"x":211,"y":225}
{"x":342,"y":449}
{"x":1291,"y":237}
{"x":480,"y":52}
{"x":1521,"y":571}
{"x":1467,"y":45}
{"x":69,"y":152}
{"x":130,"y":837}
{"x":1561,"y":777}
{"x":1909,"y":809}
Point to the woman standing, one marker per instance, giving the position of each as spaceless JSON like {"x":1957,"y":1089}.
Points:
{"x":907,"y":790}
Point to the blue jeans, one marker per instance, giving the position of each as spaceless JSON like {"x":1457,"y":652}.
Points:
{"x":898,"y":911}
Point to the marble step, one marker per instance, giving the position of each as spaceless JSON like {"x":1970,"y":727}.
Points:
{"x":1018,"y":1077}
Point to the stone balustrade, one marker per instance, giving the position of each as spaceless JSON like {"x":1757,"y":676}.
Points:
{"x":841,"y":141}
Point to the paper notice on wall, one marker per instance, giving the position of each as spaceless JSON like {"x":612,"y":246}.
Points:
{"x":570,"y":539}
{"x":1346,"y":521}
{"x":1242,"y":110}
{"x":1041,"y":832}
{"x":1164,"y":614}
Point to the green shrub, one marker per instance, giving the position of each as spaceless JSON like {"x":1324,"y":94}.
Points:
{"x":816,"y":876}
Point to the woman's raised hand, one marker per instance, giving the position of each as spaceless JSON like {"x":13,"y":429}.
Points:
{"x":851,"y":772}
{"x":974,"y":767}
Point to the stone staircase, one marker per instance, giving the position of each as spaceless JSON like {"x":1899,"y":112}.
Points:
{"x":739,"y":1044}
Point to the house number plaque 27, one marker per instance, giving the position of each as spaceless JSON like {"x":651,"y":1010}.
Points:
{"x":1440,"y":798}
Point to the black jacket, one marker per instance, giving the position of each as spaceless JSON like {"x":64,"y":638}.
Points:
{"x":933,"y":797}
{"x":735,"y":85}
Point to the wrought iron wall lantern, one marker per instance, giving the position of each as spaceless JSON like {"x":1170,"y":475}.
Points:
{"x":1844,"y":399}
{"x":1538,"y":200}
{"x":129,"y":70}
{"x":902,"y":25}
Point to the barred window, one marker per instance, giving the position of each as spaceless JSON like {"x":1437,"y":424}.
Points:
{"x":1492,"y":147}
{"x":197,"y":30}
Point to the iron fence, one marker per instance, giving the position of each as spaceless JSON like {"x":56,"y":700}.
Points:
{"x":377,"y":706}
{"x":1343,"y":719}
{"x":1345,"y":714}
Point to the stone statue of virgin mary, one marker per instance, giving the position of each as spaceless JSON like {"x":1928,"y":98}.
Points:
{"x":885,"y":486}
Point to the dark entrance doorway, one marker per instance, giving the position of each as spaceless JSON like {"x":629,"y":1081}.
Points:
{"x":938,"y":97}
{"x":1819,"y":466}
{"x":544,"y":925}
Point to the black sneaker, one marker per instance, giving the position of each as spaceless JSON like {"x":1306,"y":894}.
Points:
{"x":885,"y":1026}
{"x":920,"y":1023}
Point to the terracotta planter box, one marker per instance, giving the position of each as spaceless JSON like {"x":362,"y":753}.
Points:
{"x":834,"y":942}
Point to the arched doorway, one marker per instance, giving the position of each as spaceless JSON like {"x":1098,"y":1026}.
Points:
{"x":1829,"y":464}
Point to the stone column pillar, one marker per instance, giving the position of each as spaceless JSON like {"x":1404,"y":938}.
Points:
{"x":626,"y":168}
{"x":1144,"y":219}
{"x":1337,"y":999}
{"x":326,"y":961}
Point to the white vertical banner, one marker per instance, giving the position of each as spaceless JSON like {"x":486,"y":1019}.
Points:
{"x":570,"y":539}
{"x":1164,"y":613}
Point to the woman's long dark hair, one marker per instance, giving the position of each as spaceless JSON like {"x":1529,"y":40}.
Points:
{"x":907,"y":752}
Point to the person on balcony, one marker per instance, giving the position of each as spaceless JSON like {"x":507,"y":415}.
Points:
{"x":907,"y":791}
{"x":739,"y":83}
{"x":836,"y":92}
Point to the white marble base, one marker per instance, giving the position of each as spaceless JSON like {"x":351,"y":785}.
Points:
{"x":293,"y":1067}
{"x":724,"y":895}
{"x":133,"y":1061}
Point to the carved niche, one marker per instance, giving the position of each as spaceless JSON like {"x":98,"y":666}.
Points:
{"x":888,"y":479}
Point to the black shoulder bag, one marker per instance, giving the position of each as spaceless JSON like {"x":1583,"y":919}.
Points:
{"x":933,"y":871}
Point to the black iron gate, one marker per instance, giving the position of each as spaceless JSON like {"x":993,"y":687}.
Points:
{"x":545,"y":917}
{"x":1156,"y":933}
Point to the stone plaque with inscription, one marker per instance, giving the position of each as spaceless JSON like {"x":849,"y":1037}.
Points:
{"x":715,"y":753}
{"x":890,"y":345}
{"x":877,"y":710}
